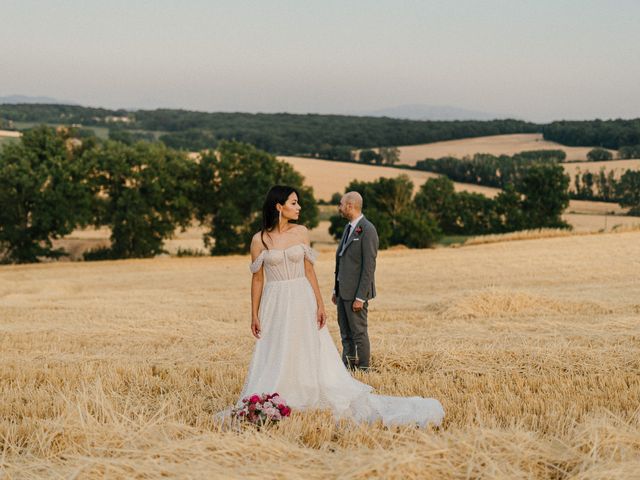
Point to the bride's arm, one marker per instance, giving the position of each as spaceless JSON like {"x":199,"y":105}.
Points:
{"x":310,"y":273}
{"x":257,"y":281}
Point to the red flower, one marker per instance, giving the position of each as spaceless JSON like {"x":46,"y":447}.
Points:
{"x":254,"y":399}
{"x":359,"y":230}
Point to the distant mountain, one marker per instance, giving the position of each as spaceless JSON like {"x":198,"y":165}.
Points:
{"x":28,"y":99}
{"x":434,"y":112}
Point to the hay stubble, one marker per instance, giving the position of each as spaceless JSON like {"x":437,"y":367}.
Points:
{"x":115,"y":369}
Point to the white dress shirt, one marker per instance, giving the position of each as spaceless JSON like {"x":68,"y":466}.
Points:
{"x":353,"y":223}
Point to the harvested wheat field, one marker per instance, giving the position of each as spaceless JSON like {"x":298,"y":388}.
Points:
{"x":494,"y":144}
{"x":115,"y":369}
{"x":328,"y":177}
{"x":10,"y":134}
{"x":618,"y":167}
{"x":595,"y":208}
{"x":596,"y":223}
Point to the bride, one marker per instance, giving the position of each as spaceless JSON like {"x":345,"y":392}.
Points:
{"x":294,"y":353}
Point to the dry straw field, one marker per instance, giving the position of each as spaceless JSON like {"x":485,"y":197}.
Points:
{"x":115,"y":369}
{"x":328,"y":177}
{"x":495,"y":144}
{"x":618,"y":167}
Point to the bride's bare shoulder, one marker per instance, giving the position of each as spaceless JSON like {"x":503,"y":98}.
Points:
{"x":256,"y":244}
{"x":302,"y":232}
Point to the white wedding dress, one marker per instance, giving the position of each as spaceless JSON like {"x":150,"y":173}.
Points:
{"x":301,"y":363}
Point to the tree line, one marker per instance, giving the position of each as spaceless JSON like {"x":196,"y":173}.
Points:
{"x":332,"y":137}
{"x":489,"y":170}
{"x":616,"y":134}
{"x":324,"y":136}
{"x":606,"y":187}
{"x":505,"y":170}
{"x":536,"y":200}
{"x":52,"y":183}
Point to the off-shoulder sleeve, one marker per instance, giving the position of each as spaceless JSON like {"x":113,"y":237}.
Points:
{"x":310,"y":254}
{"x":257,"y":263}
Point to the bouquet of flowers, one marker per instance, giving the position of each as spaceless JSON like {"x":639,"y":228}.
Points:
{"x":260,"y":409}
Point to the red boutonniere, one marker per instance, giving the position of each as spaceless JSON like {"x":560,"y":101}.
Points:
{"x":358,"y":230}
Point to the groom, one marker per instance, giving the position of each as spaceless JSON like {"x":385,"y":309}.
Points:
{"x":354,"y":281}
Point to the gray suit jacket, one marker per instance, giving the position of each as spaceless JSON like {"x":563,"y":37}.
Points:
{"x":357,"y":265}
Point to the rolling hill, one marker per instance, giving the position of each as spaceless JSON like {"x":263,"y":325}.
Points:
{"x":495,"y":145}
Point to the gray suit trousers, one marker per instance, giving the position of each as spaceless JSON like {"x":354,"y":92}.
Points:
{"x":353,"y":332}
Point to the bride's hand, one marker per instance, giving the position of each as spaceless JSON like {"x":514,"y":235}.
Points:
{"x":322,"y":317}
{"x":255,"y":327}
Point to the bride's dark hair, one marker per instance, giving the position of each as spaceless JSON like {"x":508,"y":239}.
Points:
{"x":270,"y":216}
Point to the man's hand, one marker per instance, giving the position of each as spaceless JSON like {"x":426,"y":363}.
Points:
{"x":357,"y":305}
{"x":255,"y":327}
{"x":334,"y":299}
{"x":321,"y":317}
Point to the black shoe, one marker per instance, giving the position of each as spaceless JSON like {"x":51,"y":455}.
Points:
{"x":351,"y":363}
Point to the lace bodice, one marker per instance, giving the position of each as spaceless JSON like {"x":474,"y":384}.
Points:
{"x":284,"y":264}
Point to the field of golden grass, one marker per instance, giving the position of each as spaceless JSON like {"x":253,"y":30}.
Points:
{"x":592,"y":219}
{"x":597,"y":222}
{"x":115,"y":369}
{"x":10,"y":134}
{"x":328,"y":177}
{"x":618,"y":166}
{"x":494,"y":144}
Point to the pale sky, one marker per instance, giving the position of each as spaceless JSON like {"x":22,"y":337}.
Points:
{"x":539,"y":60}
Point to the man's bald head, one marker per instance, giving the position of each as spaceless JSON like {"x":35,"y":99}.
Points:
{"x":355,"y":199}
{"x":350,"y":205}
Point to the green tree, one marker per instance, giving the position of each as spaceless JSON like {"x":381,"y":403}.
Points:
{"x":437,"y":197}
{"x":587,"y":186}
{"x":45,"y":192}
{"x":121,"y":134}
{"x":628,"y":191}
{"x":388,"y":204}
{"x":415,"y":229}
{"x":233,"y":182}
{"x":145,"y":194}
{"x":629,"y":151}
{"x":508,"y":215}
{"x":474,"y":214}
{"x":545,"y":191}
{"x":389,"y":155}
{"x":599,"y":154}
{"x":335,"y":198}
{"x":370,"y":156}
{"x":389,"y":196}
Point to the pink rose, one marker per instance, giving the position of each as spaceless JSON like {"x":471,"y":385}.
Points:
{"x":254,"y":399}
